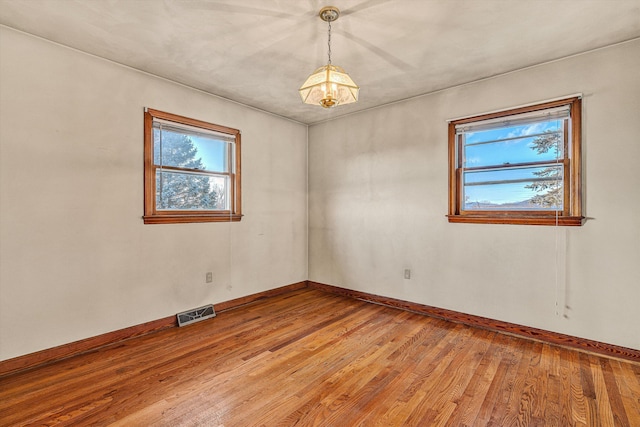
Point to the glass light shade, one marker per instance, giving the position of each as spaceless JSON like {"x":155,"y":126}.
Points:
{"x":329,"y":86}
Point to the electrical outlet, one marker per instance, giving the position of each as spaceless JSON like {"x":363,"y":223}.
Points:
{"x":407,"y":273}
{"x":209,"y":277}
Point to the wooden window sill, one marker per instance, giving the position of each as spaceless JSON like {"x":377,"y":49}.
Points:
{"x":184,"y":219}
{"x":519,"y":220}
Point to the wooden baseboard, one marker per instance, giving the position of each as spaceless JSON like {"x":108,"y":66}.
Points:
{"x":555,"y":338}
{"x":64,"y":351}
{"x":228,"y":305}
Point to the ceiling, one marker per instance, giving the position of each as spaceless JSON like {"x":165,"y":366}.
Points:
{"x":259,"y":52}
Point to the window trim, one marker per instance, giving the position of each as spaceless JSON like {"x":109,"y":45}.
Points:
{"x":154,"y":216}
{"x":572,"y":163}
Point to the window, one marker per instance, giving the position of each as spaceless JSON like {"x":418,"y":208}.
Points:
{"x":520,"y":166}
{"x":191,"y":170}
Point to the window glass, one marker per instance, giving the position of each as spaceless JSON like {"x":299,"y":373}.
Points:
{"x":500,"y":146}
{"x":182,"y":149}
{"x":186,"y":191}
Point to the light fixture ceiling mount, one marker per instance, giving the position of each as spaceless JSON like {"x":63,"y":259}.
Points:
{"x":329,"y":85}
{"x":329,"y":13}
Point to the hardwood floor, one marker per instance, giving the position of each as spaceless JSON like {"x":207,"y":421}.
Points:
{"x":312,"y":358}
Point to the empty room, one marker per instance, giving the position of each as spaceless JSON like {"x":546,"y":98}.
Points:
{"x":349,"y":213}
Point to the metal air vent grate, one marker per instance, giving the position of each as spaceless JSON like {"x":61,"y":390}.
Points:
{"x":196,"y":315}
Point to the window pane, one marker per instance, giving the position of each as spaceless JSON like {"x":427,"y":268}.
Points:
{"x":545,"y":147}
{"x":185,"y":191}
{"x":533,"y":188}
{"x":532,"y":142}
{"x":185,"y":150}
{"x":511,"y":131}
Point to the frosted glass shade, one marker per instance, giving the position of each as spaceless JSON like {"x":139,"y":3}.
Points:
{"x":329,"y":86}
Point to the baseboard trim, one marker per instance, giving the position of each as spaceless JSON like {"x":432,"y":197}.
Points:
{"x":228,"y":305}
{"x":64,"y":351}
{"x":586,"y":345}
{"x":75,"y":348}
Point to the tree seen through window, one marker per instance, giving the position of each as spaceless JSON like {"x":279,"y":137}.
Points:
{"x":179,"y":190}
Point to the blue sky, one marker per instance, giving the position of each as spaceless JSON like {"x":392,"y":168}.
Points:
{"x":504,"y":150}
{"x":212,"y":152}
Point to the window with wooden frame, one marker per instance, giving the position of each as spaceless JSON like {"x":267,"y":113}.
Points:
{"x":191,"y":170}
{"x":519,"y":166}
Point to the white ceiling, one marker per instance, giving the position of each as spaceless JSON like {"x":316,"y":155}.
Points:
{"x":258,"y":52}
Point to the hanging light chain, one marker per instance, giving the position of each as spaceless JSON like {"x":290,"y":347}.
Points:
{"x":329,"y":42}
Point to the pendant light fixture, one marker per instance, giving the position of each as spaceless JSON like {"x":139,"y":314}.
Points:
{"x":329,"y":85}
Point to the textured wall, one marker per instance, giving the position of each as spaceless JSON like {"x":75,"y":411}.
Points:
{"x":76,"y":259}
{"x":378,"y":200}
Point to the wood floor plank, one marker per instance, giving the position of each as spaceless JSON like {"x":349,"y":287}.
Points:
{"x":393,"y":407}
{"x":426,"y":377}
{"x":527,"y":387}
{"x":579,"y":404}
{"x":511,"y":393}
{"x":310,"y":358}
{"x":588,"y":390}
{"x":370,"y":367}
{"x":631,"y":405}
{"x":565,"y":411}
{"x":444,"y":398}
{"x":468,"y":405}
{"x":552,"y":404}
{"x":604,"y":399}
{"x":549,"y":372}
{"x":344,"y":388}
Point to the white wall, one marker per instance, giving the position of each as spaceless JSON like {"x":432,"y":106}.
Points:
{"x":76,"y":259}
{"x":378,"y":200}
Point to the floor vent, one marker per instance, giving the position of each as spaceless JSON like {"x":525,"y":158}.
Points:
{"x":196,"y":315}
